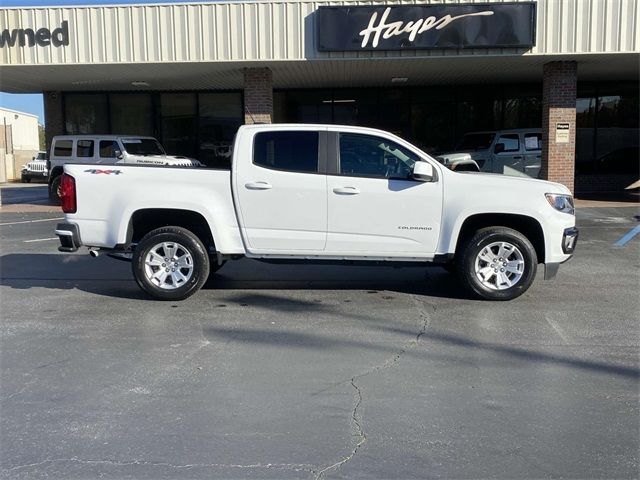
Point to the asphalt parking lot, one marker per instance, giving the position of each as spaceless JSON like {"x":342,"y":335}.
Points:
{"x":316,"y":372}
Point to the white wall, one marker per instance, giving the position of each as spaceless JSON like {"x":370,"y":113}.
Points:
{"x":24,"y":128}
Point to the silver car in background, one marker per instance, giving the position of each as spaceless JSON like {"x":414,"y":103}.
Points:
{"x":516,"y":152}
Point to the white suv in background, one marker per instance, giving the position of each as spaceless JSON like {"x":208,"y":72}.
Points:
{"x":36,"y":168}
{"x":512,"y":152}
{"x":107,"y":150}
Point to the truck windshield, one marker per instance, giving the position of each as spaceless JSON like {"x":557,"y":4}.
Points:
{"x":142,"y":146}
{"x":476,"y":141}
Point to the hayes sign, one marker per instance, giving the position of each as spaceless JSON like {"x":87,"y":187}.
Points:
{"x":42,"y":37}
{"x":406,"y":27}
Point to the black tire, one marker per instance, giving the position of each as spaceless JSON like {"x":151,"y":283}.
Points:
{"x":481,"y":240}
{"x":54,"y":187}
{"x":24,"y":179}
{"x":191,"y":244}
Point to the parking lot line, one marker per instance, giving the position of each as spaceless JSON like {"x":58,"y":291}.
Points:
{"x":627,"y":236}
{"x":40,"y":240}
{"x":32,"y":221}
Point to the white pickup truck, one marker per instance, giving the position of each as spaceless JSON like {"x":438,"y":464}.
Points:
{"x":318,"y":193}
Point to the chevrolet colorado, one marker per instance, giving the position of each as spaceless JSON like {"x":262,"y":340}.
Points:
{"x":318,"y":193}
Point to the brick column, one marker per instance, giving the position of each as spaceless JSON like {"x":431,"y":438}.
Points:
{"x":53,"y":120}
{"x":559,"y":106}
{"x":258,"y":95}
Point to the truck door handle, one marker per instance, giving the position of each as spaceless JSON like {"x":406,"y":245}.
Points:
{"x":346,"y":191}
{"x":258,"y":185}
{"x":517,"y":158}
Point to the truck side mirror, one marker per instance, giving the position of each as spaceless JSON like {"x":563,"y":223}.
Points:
{"x":423,"y":172}
{"x":118,"y":154}
{"x":499,"y":148}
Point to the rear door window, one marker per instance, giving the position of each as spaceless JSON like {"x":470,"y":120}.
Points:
{"x":108,"y":148}
{"x":63,"y":148}
{"x":289,"y":151}
{"x":532,"y":141}
{"x":84,"y":148}
{"x":511,"y":142}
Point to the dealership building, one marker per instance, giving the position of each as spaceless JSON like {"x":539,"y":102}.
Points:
{"x":191,"y":73}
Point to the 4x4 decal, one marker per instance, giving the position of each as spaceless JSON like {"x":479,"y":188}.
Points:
{"x":96,"y":171}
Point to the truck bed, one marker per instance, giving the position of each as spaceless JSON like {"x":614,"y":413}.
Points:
{"x":108,"y":195}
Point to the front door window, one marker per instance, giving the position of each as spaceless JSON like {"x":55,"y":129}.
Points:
{"x":369,"y":156}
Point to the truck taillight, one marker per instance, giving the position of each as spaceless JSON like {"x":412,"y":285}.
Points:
{"x":68,"y":193}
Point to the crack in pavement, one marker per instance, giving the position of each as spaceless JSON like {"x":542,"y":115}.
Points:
{"x":298,"y":467}
{"x":359,"y":433}
{"x":356,"y":418}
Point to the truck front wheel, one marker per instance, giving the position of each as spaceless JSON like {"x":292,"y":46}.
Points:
{"x":170,"y":263}
{"x":498,"y":263}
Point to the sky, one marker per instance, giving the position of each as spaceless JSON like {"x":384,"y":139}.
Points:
{"x":54,"y":3}
{"x":24,"y":102}
{"x":32,"y":103}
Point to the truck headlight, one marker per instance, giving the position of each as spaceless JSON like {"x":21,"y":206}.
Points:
{"x":562,"y":203}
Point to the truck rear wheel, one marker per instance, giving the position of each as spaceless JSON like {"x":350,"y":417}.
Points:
{"x":498,"y":263}
{"x":54,"y":190}
{"x":170,"y":263}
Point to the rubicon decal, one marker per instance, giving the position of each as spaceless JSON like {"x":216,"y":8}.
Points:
{"x":96,"y":171}
{"x":31,"y":37}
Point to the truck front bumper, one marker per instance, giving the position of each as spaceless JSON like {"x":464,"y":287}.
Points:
{"x":569,"y":241}
{"x":31,"y":174}
{"x":69,"y":235}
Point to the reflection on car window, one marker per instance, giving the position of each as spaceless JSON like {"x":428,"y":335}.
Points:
{"x":475,"y":141}
{"x":142,"y":146}
{"x":511,"y":142}
{"x":365,"y":155}
{"x":533,"y":141}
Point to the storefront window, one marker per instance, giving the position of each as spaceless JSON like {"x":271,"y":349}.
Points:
{"x":86,"y":113}
{"x":617,"y":133}
{"x":585,"y":123}
{"x":131,"y":114}
{"x":178,"y":123}
{"x":220,"y":116}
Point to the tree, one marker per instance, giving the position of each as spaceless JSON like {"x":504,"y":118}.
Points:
{"x":41,"y":137}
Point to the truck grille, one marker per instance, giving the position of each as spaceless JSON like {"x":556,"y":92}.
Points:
{"x":37,"y":167}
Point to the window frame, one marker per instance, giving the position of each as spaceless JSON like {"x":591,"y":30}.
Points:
{"x":335,"y":164}
{"x":322,"y":152}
